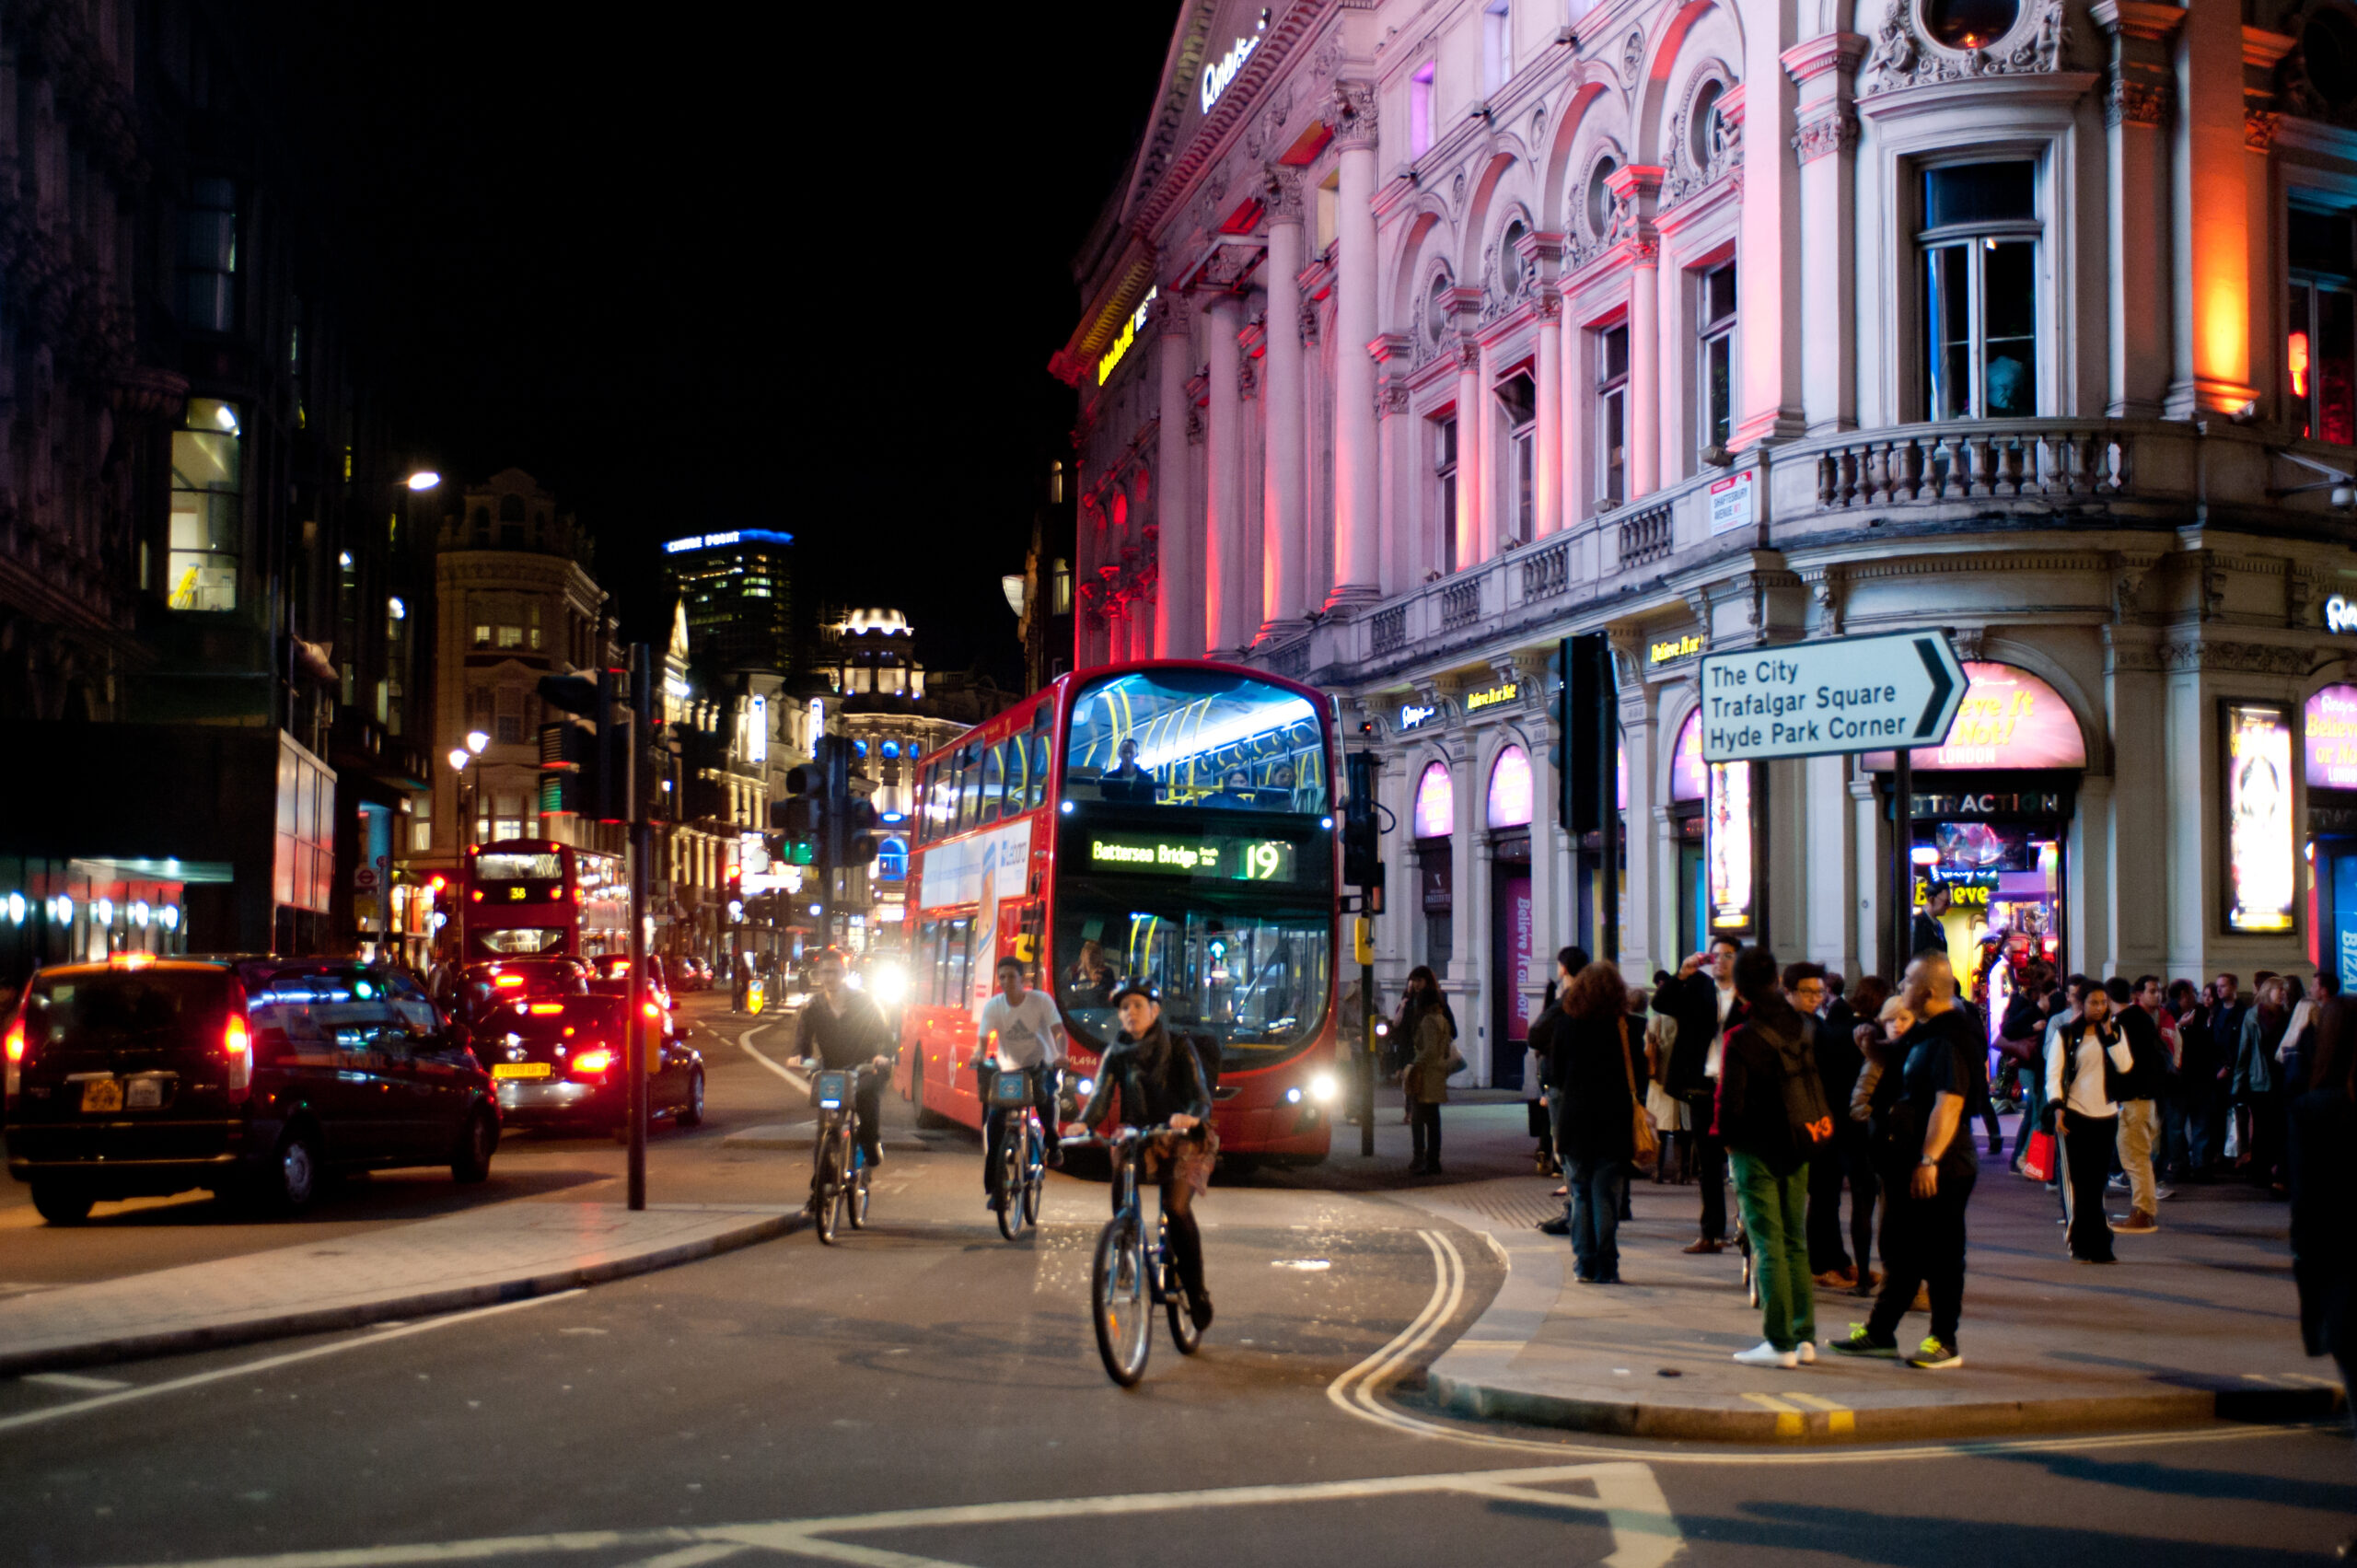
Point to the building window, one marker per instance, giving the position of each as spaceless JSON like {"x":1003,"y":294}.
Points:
{"x":2321,"y":355}
{"x":1419,"y":111}
{"x":1497,"y":45}
{"x":532,"y":635}
{"x":207,"y":520}
{"x":209,"y":256}
{"x":509,"y":728}
{"x":482,"y":635}
{"x":892,"y":860}
{"x":1060,"y":588}
{"x":1518,"y":400}
{"x":511,"y":636}
{"x":1980,"y":242}
{"x":1611,"y":417}
{"x":1716,"y":313}
{"x":1445,"y":490}
{"x":511,"y":522}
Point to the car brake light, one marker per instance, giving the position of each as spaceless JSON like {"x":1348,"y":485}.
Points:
{"x":130,"y":960}
{"x":238,"y":1046}
{"x":543,"y":1009}
{"x":478,"y":895}
{"x":507,"y":982}
{"x":15,"y":1044}
{"x":14,"y":1072}
{"x":592,"y":1063}
{"x":652,"y":1010}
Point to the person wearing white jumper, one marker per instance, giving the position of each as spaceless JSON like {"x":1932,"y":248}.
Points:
{"x":2085,"y":1059}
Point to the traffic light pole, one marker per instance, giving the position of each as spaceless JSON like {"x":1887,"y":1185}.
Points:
{"x":642,"y":854}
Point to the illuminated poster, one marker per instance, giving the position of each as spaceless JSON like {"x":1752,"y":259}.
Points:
{"x":1435,"y":811}
{"x":1728,"y":846}
{"x":1685,"y":778}
{"x":2332,"y":739}
{"x":2260,"y":850}
{"x":2009,"y":719}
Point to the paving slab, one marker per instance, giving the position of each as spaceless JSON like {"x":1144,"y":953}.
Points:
{"x":2196,"y":1322}
{"x":502,"y":1253}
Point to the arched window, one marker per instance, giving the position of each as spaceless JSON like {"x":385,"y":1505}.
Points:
{"x":1509,"y":804}
{"x":1435,"y":811}
{"x":1689,"y":779}
{"x":892,"y":860}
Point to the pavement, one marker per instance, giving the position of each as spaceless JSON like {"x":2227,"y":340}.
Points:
{"x":2197,"y":1322}
{"x":501,"y":1253}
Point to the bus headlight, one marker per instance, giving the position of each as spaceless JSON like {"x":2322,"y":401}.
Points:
{"x":1323,"y":1088}
{"x":892,"y":984}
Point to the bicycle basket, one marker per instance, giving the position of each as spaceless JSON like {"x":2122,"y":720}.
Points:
{"x":1010,"y":1090}
{"x":831,"y":1091}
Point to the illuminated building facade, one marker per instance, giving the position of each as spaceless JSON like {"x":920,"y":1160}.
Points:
{"x":737,"y":587}
{"x":1418,"y":337}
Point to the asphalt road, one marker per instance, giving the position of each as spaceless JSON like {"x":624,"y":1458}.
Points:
{"x":927,"y":1393}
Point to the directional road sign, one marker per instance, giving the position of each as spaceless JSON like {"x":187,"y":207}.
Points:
{"x":1841,"y":694}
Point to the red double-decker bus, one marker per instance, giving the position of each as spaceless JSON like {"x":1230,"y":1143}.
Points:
{"x":1168,"y":821}
{"x":523,"y":898}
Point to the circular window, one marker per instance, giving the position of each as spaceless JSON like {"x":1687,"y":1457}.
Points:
{"x":1436,"y":311}
{"x":1703,"y":134}
{"x":1510,"y":258}
{"x":1970,"y":24}
{"x":2328,"y":50}
{"x":1599,"y":198}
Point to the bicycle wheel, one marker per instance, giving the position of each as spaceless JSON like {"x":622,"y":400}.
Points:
{"x":1010,"y":1186}
{"x":855,"y":1200}
{"x":1033,"y":1180}
{"x":1122,"y":1307}
{"x":1183,"y":1332}
{"x":826,"y":1200}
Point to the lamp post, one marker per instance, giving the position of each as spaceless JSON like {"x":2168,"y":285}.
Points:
{"x":461,"y":756}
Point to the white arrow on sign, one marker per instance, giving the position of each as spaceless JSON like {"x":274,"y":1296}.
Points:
{"x":1820,"y":699}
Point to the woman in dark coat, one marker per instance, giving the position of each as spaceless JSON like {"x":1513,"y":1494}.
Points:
{"x":1596,"y":1062}
{"x":2323,"y":1162}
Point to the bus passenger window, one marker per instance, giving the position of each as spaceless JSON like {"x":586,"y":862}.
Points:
{"x":993,"y":782}
{"x":970,"y":789}
{"x":1039,"y":744}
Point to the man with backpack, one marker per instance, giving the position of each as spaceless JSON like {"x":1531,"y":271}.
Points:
{"x":1773,"y":1117}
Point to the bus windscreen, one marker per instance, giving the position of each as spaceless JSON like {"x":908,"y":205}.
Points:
{"x":513,"y":865}
{"x":1206,"y":738}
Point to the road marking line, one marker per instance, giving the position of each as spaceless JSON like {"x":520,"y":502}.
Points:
{"x":850,"y":1552}
{"x":694,"y":1556}
{"x":74,"y":1380}
{"x":1839,"y":1419}
{"x":1789,"y":1422}
{"x":269,"y":1364}
{"x":745,"y":1044}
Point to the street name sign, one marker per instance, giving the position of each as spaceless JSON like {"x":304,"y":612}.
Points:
{"x":1824,"y":698}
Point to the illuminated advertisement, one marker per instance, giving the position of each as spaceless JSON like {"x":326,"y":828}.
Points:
{"x":2332,"y":739}
{"x":2259,"y":848}
{"x":2009,"y":719}
{"x":1687,"y":781}
{"x":1510,"y":789}
{"x":1435,"y":812}
{"x":1219,"y":859}
{"x":1727,"y":838}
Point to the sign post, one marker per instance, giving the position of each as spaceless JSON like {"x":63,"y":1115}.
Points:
{"x":641,"y":855}
{"x":1840,"y":695}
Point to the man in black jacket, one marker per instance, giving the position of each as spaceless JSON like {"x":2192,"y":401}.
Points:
{"x":2139,"y":1099}
{"x":1756,"y":1122}
{"x":1702,"y":997}
{"x":843,"y":1030}
{"x":1839,"y":1061}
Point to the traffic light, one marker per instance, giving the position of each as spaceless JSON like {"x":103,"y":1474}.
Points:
{"x":862,"y":839}
{"x":1588,"y":720}
{"x":602,"y":771}
{"x":801,"y":816}
{"x":1362,"y":833}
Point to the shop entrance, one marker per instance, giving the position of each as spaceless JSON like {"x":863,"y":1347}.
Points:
{"x":1512,"y":934}
{"x":2000,"y":852}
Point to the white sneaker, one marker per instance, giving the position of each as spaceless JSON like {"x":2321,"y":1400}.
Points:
{"x":1765,"y":1354}
{"x":2162,"y":1194}
{"x":1806,"y":1352}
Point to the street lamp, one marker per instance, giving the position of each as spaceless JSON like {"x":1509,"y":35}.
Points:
{"x":476,"y":741}
{"x":423,"y":479}
{"x":459,"y":757}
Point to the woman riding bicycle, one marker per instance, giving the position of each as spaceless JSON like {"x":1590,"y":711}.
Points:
{"x":1161,"y":1083}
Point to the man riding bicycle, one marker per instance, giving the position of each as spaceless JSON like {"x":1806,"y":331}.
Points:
{"x":1161,"y":1083}
{"x":1020,"y":1026}
{"x":841,"y":1030}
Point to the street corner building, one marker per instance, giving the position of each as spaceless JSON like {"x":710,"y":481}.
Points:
{"x":1420,"y":337}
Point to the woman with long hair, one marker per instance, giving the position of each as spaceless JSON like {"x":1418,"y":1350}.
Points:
{"x":2084,"y":1078}
{"x":1597,"y":1058}
{"x":1431,"y":1032}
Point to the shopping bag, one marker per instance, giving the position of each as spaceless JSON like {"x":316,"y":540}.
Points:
{"x":2037,"y":1160}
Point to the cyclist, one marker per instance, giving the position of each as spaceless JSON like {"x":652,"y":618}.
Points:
{"x":1161,"y":1083}
{"x":843,"y":1030}
{"x":1021,"y":1026}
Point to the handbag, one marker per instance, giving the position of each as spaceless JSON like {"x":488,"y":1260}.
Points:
{"x":2037,"y":1159}
{"x":1642,"y":1125}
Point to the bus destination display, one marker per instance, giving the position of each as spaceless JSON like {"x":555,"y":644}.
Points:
{"x":1234,"y":860}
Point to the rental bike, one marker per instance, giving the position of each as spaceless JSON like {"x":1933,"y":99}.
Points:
{"x":1022,"y":1151}
{"x":1130,"y":1278}
{"x":839,"y":1169}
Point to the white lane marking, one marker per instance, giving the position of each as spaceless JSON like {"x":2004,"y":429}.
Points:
{"x":1624,"y":1491}
{"x":1355,"y":1392}
{"x":75,"y":1380}
{"x":745,"y":1044}
{"x":269,"y":1364}
{"x":694,"y":1556}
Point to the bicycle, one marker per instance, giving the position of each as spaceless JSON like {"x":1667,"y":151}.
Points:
{"x":839,"y":1171}
{"x":1125,"y":1283}
{"x":1022,"y":1154}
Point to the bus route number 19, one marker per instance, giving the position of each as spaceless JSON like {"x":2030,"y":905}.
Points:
{"x":1264,"y":862}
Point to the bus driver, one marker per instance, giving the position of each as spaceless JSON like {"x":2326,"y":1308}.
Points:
{"x":1020,"y":1031}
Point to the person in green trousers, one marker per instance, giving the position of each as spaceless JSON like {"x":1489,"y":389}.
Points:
{"x":1771,"y":1170}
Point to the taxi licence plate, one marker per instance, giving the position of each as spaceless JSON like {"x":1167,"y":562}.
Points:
{"x":146,"y":1094}
{"x":101,"y":1095}
{"x":521,"y":1070}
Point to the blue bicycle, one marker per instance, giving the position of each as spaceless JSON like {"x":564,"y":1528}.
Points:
{"x":839,"y":1171}
{"x":1127,"y":1281}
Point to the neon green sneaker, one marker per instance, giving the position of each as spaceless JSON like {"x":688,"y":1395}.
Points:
{"x":1862,"y":1342}
{"x":1933,"y":1356}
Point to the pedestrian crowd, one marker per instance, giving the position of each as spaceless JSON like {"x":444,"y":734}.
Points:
{"x":1796,"y":1091}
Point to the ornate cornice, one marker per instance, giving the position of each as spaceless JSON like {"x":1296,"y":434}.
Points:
{"x":2133,"y":100}
{"x":1836,"y":132}
{"x":1903,"y":58}
{"x":1352,"y":112}
{"x":1284,"y":194}
{"x":2258,"y":130}
{"x":2248,"y":658}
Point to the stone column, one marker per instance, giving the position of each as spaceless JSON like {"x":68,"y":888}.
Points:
{"x":1285,"y":505}
{"x":1401,"y":448}
{"x":1545,"y":252}
{"x":1825,"y":69}
{"x":2136,"y":114}
{"x":1636,"y":187}
{"x":1472,"y":470}
{"x":1356,"y":518}
{"x":2210,"y":282}
{"x":1224,"y":498}
{"x":1178,"y":609}
{"x":1768,"y":280}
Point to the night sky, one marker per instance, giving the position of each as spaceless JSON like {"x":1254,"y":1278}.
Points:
{"x":804,"y":272}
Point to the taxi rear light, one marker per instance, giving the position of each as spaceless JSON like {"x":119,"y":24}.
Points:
{"x":12,"y":1075}
{"x":237,"y":1045}
{"x":15,"y":1044}
{"x":507,"y":982}
{"x":652,"y":1011}
{"x":593,"y":1063}
{"x":543,"y":1009}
